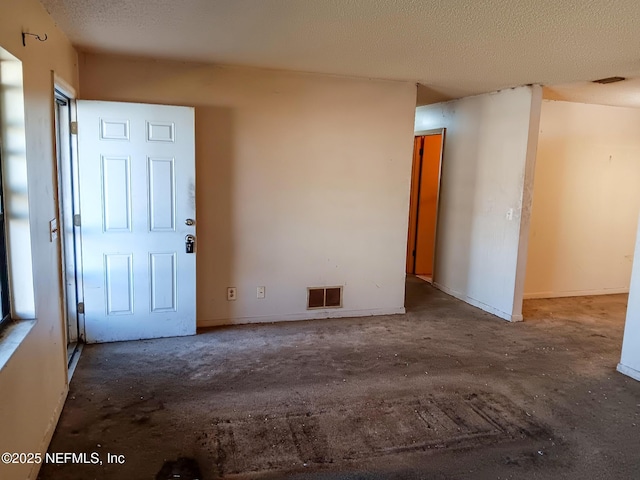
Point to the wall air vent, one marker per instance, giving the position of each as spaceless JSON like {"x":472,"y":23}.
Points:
{"x":324,"y":297}
{"x":604,"y":81}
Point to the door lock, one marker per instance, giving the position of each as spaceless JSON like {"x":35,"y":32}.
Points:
{"x":190,"y":243}
{"x":189,"y":222}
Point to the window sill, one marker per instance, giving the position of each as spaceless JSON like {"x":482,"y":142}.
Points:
{"x":11,"y":337}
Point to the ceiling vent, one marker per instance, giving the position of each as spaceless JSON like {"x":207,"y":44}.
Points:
{"x":604,"y":81}
{"x":324,"y":297}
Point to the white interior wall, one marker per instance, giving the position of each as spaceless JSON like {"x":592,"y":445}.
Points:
{"x":33,"y":381}
{"x":630,"y":359}
{"x":488,"y":158}
{"x":586,"y":200}
{"x":301,"y":180}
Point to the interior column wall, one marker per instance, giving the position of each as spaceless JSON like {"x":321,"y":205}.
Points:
{"x":630,"y":360}
{"x":485,"y":195}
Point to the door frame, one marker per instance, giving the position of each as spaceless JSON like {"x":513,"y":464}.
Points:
{"x":424,"y":133}
{"x":67,"y":214}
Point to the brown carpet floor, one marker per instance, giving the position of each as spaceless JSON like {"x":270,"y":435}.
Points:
{"x":445,"y":391}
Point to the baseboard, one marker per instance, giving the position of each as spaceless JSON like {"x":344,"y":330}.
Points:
{"x":628,"y":371}
{"x":477,"y":303}
{"x":74,"y":361}
{"x":51,"y":428}
{"x":311,"y":315}
{"x":575,"y":293}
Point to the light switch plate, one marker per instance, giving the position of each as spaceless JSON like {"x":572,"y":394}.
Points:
{"x":53,"y":230}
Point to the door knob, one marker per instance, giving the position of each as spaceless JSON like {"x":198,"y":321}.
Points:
{"x":190,"y":222}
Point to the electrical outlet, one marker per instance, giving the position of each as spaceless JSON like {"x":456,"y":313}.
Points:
{"x":231,"y":293}
{"x":260,"y":292}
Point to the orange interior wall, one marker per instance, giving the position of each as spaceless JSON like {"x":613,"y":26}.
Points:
{"x":424,"y":204}
{"x":428,"y":205}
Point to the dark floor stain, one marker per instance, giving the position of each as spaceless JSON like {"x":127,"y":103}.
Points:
{"x":445,"y":391}
{"x":183,"y":468}
{"x":271,"y":441}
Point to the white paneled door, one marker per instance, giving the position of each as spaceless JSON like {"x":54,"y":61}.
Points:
{"x":137,"y":197}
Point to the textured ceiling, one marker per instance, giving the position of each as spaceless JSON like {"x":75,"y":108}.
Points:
{"x":453,"y":47}
{"x":622,"y":94}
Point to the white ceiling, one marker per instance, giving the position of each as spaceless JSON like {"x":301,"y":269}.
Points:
{"x":453,"y":47}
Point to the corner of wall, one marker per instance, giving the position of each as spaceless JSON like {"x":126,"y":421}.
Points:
{"x":527,"y":198}
{"x":630,"y":356}
{"x":628,"y":371}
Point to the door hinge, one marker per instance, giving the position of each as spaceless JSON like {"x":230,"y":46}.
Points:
{"x":76,"y":220}
{"x":74,"y":128}
{"x":81,"y":307}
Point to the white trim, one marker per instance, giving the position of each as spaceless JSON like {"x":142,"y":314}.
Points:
{"x":432,"y":131}
{"x":74,"y":361}
{"x":576,"y":293}
{"x":72,"y":202}
{"x":310,"y":315}
{"x":477,"y":303}
{"x":64,"y":87}
{"x":628,"y":371}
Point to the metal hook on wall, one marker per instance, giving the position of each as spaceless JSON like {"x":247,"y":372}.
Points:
{"x":37,"y":37}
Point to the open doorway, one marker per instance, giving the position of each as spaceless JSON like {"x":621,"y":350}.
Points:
{"x":584,"y":215}
{"x":423,"y":205}
{"x":68,"y":218}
